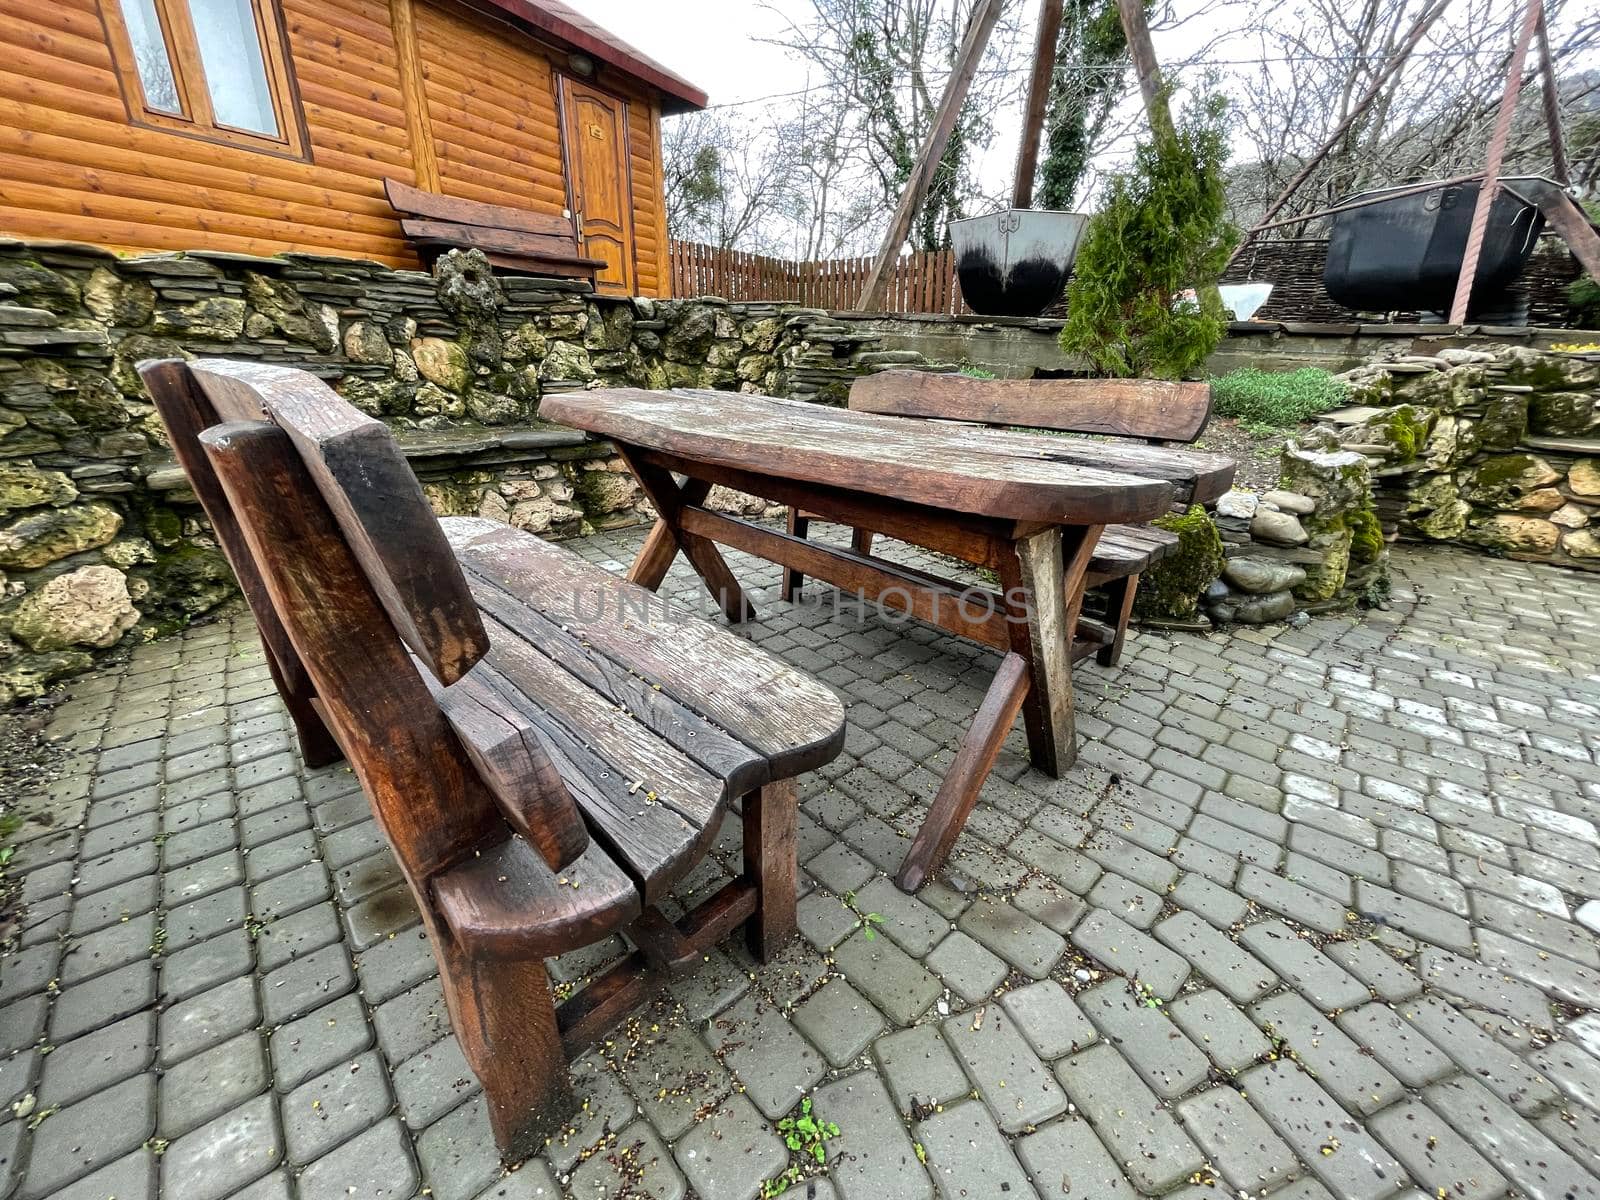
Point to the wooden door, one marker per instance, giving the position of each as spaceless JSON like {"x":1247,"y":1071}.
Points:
{"x":595,"y":128}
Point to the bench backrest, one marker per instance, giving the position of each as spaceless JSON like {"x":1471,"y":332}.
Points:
{"x":1154,"y":409}
{"x":345,"y":567}
{"x":496,"y":229}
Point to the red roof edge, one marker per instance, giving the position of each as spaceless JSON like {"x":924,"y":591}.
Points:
{"x":556,"y":20}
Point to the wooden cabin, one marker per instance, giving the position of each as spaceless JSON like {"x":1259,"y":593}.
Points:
{"x":260,"y":126}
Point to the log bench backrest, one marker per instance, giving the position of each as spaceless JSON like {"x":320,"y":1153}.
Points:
{"x":345,"y":567}
{"x":1154,"y":409}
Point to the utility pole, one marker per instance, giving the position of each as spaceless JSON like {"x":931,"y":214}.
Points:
{"x":955,"y":95}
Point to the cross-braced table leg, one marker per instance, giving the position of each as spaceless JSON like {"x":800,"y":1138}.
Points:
{"x":668,"y":536}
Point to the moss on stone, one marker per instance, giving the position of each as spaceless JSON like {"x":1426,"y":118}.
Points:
{"x":1173,"y":586}
{"x":1407,"y":430}
{"x":1366,"y":545}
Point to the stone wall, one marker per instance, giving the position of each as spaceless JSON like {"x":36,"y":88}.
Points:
{"x":101,"y":543}
{"x":1498,"y":449}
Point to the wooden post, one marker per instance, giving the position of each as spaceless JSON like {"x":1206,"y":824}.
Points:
{"x":1044,"y":60}
{"x":1143,"y":52}
{"x":955,"y":95}
{"x":414,"y":96}
{"x":1552,"y":104}
{"x":1397,"y":60}
{"x":1491,"y":171}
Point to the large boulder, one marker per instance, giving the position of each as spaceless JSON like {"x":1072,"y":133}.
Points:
{"x":116,"y":301}
{"x":467,"y":288}
{"x":1263,"y":575}
{"x":46,"y":535}
{"x":1565,"y":414}
{"x":86,"y":607}
{"x":288,"y":312}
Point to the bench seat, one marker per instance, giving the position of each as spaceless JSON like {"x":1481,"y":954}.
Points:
{"x":653,"y":723}
{"x":1125,"y":550}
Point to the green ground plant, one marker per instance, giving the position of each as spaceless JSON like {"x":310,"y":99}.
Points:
{"x":1265,"y":401}
{"x":806,"y":1137}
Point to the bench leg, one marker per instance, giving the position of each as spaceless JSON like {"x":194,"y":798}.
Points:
{"x":771,"y":835}
{"x":504,"y":1016}
{"x":798,"y":525}
{"x":1119,"y":608}
{"x":861,"y":541}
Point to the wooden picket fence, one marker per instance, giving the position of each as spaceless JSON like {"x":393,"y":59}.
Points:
{"x":923,"y":281}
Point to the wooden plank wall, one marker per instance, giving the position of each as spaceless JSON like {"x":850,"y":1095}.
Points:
{"x":924,"y":281}
{"x":73,"y":166}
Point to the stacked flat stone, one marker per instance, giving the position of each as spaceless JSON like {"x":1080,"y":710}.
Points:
{"x":101,"y":542}
{"x":1496,"y":448}
{"x":1268,"y":554}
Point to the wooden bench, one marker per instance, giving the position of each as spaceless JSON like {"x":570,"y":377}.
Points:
{"x":514,"y":239}
{"x":546,"y":754}
{"x":1153,"y":411}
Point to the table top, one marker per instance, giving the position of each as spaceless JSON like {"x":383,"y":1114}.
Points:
{"x":993,"y":472}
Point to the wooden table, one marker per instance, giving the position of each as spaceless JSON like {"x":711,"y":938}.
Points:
{"x":1028,"y":507}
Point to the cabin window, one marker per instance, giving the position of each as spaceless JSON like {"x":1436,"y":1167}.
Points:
{"x":212,"y":68}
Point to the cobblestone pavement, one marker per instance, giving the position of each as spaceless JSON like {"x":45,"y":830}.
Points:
{"x":1314,"y":914}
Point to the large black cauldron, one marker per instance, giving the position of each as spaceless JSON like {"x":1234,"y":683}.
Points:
{"x":1015,"y":263}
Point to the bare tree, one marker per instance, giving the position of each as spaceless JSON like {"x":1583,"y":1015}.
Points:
{"x":729,"y":181}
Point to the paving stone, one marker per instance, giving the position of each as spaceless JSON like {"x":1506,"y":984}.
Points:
{"x":1293,"y":900}
{"x":88,"y":1135}
{"x":968,"y":1156}
{"x":896,"y":983}
{"x":1357,"y":1080}
{"x":913,"y":924}
{"x":1010,"y":1079}
{"x":1247,"y":1153}
{"x":531,"y":1181}
{"x":1164,"y":1058}
{"x":410,"y":1021}
{"x":1067,"y":1159}
{"x":1339,"y":1152}
{"x":1536,"y":927}
{"x":728,"y":1154}
{"x":109,"y":948}
{"x":715,"y":984}
{"x":824,"y":920}
{"x":130,"y":1178}
{"x":198,"y":879}
{"x":919,"y":1067}
{"x":1396,"y":1043}
{"x":102,"y":1000}
{"x":97,"y":1060}
{"x":1025,"y":943}
{"x":307,"y":1047}
{"x":203,"y":1021}
{"x":1303,"y":966}
{"x":1050,"y":904}
{"x":1049,"y":1019}
{"x":290,"y":892}
{"x":128,"y":899}
{"x":637,"y":1164}
{"x":1539,"y":1168}
{"x":1138,"y":906}
{"x":839,"y":1021}
{"x":1377,"y":968}
{"x":210,"y":1083}
{"x":1422,"y":921}
{"x":375,"y":1164}
{"x":1123,"y":949}
{"x":967,"y":969}
{"x":306,"y":983}
{"x":1465,"y":980}
{"x":1570,"y":1069}
{"x":1474,"y":1051}
{"x":840,"y":869}
{"x":1436,"y":1156}
{"x":1216,"y":957}
{"x":327,"y":1111}
{"x":1219,"y":905}
{"x":394,"y":965}
{"x":431,"y":1083}
{"x":872,"y":1158}
{"x":758,"y":1044}
{"x":459,"y":1159}
{"x":1129,"y":1118}
{"x":1560,"y":977}
{"x":202,"y":966}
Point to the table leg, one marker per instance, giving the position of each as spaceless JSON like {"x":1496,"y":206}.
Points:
{"x":1042,"y":577}
{"x":948,"y":813}
{"x":660,"y":547}
{"x":670,"y":498}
